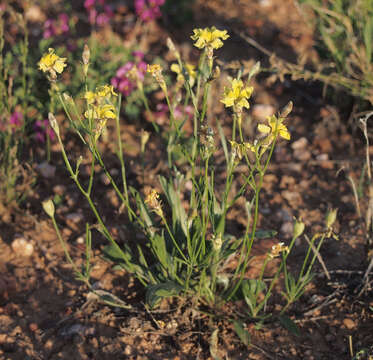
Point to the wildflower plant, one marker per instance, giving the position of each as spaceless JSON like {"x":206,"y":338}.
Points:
{"x":187,"y":246}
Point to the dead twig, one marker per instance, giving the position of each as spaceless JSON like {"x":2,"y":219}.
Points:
{"x":366,"y":278}
{"x":313,"y":319}
{"x":342,"y":272}
{"x":321,"y":261}
{"x":325,"y":303}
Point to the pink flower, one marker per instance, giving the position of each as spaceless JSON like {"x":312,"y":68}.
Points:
{"x":180,"y":111}
{"x":56,"y":27}
{"x":148,"y":10}
{"x":88,"y":4}
{"x":42,"y":130}
{"x":98,"y":13}
{"x":49,"y":29}
{"x":64,"y":22}
{"x":122,"y":81}
{"x":16,"y":119}
{"x":138,"y":55}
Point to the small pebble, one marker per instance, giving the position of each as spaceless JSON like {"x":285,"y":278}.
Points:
{"x":3,"y":338}
{"x":80,"y":240}
{"x":33,"y":327}
{"x":46,"y":170}
{"x":48,"y":344}
{"x":262,"y":111}
{"x":104,"y":179}
{"x":322,"y":157}
{"x":287,"y":229}
{"x":74,"y":217}
{"x":349,"y":323}
{"x":22,"y":247}
{"x":299,"y":144}
{"x":59,"y":189}
{"x":128,"y":350}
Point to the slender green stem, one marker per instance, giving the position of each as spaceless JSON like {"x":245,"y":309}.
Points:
{"x":68,"y":257}
{"x":91,"y":204}
{"x":121,"y":159}
{"x":173,"y":239}
{"x":314,"y":256}
{"x":146,"y":104}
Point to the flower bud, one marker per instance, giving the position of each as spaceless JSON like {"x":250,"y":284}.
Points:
{"x":216,"y":73}
{"x":298,"y":228}
{"x":286,"y":110}
{"x":85,"y":57}
{"x":67,"y":97}
{"x":48,"y":207}
{"x":331,"y":217}
{"x":217,"y":242}
{"x":53,"y":123}
{"x":144,"y":139}
{"x":172,"y":48}
{"x":78,"y":162}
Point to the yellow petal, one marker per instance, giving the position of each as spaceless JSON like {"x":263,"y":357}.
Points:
{"x":59,"y":65}
{"x":264,"y":128}
{"x":175,"y":68}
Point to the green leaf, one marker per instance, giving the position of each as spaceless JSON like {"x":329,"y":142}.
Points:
{"x":160,"y":250}
{"x":144,"y":213}
{"x":251,"y":288}
{"x":289,"y":325}
{"x":155,"y":293}
{"x":242,"y":333}
{"x":113,"y":254}
{"x":123,"y":259}
{"x":368,"y":28}
{"x":179,"y":216}
{"x":223,"y":142}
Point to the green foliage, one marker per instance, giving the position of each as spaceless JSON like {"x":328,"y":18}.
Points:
{"x":15,"y":98}
{"x":345,"y":30}
{"x":242,"y":333}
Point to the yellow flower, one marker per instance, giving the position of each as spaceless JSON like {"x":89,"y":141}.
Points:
{"x":275,"y":127}
{"x":250,"y":147}
{"x":100,"y":128}
{"x":190,"y":70}
{"x":277,"y":249}
{"x":105,"y":90}
{"x":237,"y":95}
{"x":90,"y":96}
{"x":106,"y":111}
{"x":236,"y":149}
{"x":152,"y":199}
{"x":154,"y":69}
{"x":52,"y":63}
{"x":209,"y":38}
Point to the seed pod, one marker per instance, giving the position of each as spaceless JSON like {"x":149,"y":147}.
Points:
{"x":286,"y":110}
{"x":48,"y":207}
